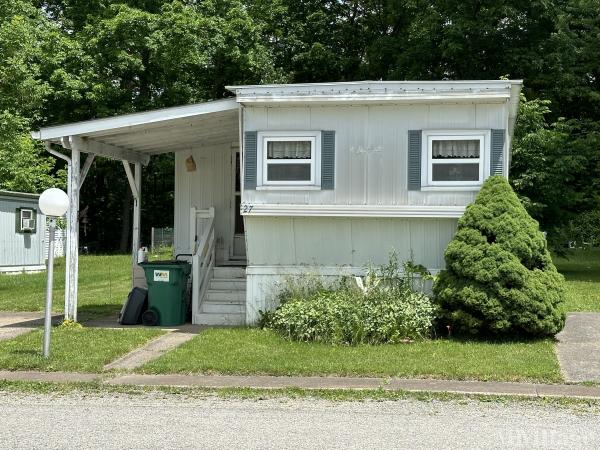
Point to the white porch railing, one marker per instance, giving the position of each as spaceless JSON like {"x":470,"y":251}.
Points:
{"x":202,"y":241}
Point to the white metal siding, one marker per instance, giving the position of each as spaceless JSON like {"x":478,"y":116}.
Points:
{"x":210,"y":185}
{"x":371,"y":151}
{"x":18,"y":249}
{"x":336,"y":241}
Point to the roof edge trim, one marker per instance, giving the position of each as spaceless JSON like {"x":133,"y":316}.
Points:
{"x":133,"y":119}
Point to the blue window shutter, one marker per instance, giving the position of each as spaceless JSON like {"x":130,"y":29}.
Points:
{"x":327,"y":159}
{"x":414,"y":159}
{"x":497,"y":151}
{"x":18,"y":220}
{"x":250,"y":138}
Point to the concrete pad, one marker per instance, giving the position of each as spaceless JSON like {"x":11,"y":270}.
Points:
{"x":152,"y":350}
{"x":578,"y":347}
{"x":61,"y":377}
{"x":12,"y":332}
{"x":257,"y":382}
{"x":25,"y":319}
{"x":8,"y":318}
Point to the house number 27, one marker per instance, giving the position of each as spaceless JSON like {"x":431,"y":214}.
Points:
{"x":246,"y":207}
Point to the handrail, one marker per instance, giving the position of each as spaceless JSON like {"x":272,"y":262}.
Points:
{"x":203,"y":255}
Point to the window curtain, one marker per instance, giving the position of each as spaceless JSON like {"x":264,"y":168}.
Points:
{"x":455,"y":149}
{"x":288,"y":149}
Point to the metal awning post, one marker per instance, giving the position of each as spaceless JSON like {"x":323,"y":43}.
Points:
{"x":49,"y":149}
{"x":135,"y":183}
{"x":73,"y":232}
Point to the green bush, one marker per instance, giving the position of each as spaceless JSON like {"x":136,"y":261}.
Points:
{"x":384,"y":308}
{"x":499,"y":276}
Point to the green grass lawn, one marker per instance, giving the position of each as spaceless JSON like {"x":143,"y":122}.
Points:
{"x":582,"y":272}
{"x":72,"y":349}
{"x":104,"y":282}
{"x":254,"y":351}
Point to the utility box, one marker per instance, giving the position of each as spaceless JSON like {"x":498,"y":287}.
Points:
{"x":167,"y":288}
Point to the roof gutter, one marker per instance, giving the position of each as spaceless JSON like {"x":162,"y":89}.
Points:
{"x":50,"y":150}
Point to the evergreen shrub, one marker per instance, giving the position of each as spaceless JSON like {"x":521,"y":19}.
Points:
{"x":499,"y":276}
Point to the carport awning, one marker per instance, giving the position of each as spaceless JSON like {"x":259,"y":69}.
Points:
{"x":132,"y":138}
{"x":135,"y":137}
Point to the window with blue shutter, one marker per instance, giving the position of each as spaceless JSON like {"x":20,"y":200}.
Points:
{"x":453,"y":158}
{"x":327,"y":160}
{"x":250,"y":150}
{"x":497,"y":152}
{"x":291,"y":159}
{"x":414,"y":159}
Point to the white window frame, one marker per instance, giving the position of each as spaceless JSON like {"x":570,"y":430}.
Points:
{"x":22,"y":219}
{"x":447,"y":135}
{"x":314,"y":137}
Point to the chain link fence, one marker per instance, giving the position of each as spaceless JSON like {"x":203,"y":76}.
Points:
{"x":161,"y":238}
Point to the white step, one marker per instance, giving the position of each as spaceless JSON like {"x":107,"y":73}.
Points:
{"x":228,"y":296}
{"x":220,"y":319}
{"x":229,"y":272}
{"x":222,"y":307}
{"x":228,"y":284}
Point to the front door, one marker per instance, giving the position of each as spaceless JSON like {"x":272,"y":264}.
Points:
{"x":238,"y":250}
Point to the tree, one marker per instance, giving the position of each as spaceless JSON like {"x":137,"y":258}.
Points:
{"x":555,"y":167}
{"x":499,"y":276}
{"x":569,"y":73}
{"x":25,"y":36}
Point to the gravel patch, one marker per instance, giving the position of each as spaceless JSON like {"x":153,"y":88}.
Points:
{"x":156,"y":420}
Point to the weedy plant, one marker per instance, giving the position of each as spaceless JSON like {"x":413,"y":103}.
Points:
{"x":384,"y":306}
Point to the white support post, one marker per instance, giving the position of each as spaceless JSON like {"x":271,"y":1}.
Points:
{"x":65,"y":144}
{"x":73,"y":237}
{"x":137,"y":211}
{"x":193,"y":230}
{"x":68,"y":244}
{"x":135,"y":183}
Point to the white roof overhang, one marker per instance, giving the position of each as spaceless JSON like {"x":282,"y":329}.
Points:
{"x":378,"y":92}
{"x":386,"y":92}
{"x":137,"y":136}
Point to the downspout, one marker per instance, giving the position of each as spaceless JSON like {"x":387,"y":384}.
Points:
{"x":53,"y":152}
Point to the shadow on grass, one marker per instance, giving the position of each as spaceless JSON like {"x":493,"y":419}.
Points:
{"x":580,"y":265}
{"x":24,"y":351}
{"x":90,"y":312}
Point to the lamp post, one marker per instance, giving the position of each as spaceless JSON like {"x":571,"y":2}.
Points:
{"x":53,"y":203}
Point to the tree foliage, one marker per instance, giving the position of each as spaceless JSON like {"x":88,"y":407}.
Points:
{"x":69,"y":60}
{"x":499,"y":276}
{"x":555,"y":167}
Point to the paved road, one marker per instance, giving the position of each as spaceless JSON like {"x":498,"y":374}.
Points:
{"x":152,"y":422}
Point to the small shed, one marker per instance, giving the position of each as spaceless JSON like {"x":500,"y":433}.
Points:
{"x":22,"y":232}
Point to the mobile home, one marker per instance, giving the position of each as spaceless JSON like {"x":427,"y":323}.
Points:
{"x":283,"y":180}
{"x":22,"y":233}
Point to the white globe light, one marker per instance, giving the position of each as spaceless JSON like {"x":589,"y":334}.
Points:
{"x":54,"y":202}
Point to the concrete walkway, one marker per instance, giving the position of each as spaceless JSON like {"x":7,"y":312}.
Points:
{"x":13,"y":324}
{"x":153,"y":349}
{"x":350,"y":383}
{"x":578,"y":347}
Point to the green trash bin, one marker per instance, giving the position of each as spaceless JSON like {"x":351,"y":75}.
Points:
{"x":167,"y":287}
